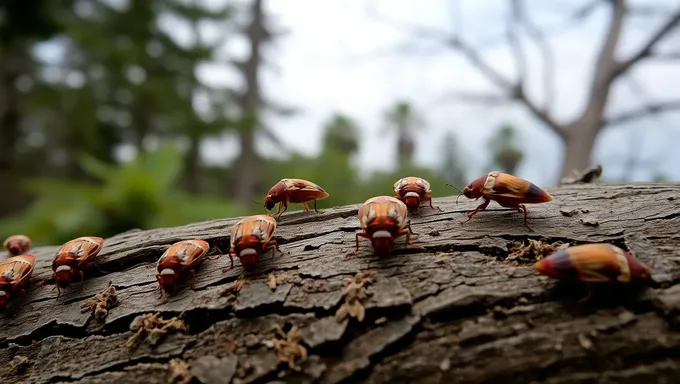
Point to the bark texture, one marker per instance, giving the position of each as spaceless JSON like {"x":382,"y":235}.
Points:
{"x":467,"y":309}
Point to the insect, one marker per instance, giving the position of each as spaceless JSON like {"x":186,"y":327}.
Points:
{"x":382,"y":220}
{"x":73,"y":258}
{"x":180,"y":258}
{"x":17,"y":244}
{"x":250,"y":238}
{"x":293,"y":191}
{"x":15,"y":273}
{"x":412,"y":191}
{"x":507,"y":190}
{"x":594,"y":263}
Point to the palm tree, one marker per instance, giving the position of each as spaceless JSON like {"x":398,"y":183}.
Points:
{"x":405,"y":121}
{"x":341,"y":133}
{"x":506,"y":154}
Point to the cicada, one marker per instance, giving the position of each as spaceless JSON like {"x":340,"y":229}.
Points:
{"x":250,"y":238}
{"x":293,"y":191}
{"x":73,"y":258}
{"x":382,"y":220}
{"x":15,"y":273}
{"x":182,"y":257}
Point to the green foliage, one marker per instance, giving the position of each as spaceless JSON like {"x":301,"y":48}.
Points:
{"x":140,"y":194}
{"x":506,"y":152}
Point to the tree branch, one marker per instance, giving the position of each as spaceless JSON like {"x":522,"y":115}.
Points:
{"x":642,"y":112}
{"x":515,"y":44}
{"x":548,"y":58}
{"x":646,"y":49}
{"x":474,"y":57}
{"x":605,"y":64}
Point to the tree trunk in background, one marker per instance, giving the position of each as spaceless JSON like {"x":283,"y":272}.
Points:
{"x":247,"y":163}
{"x":192,"y":167}
{"x":12,"y":66}
{"x":579,"y":142}
{"x":468,"y":309}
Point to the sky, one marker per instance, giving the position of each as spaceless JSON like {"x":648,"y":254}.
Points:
{"x":338,"y":57}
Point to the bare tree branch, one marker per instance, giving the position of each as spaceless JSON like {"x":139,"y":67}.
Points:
{"x":642,"y":112}
{"x":548,"y":58}
{"x":475,"y":58}
{"x":646,"y":49}
{"x":605,"y":64}
{"x":670,"y":56}
{"x":512,"y":24}
{"x":476,"y":97}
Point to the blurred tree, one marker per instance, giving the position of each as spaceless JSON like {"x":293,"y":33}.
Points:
{"x":259,"y":32}
{"x":579,"y":134}
{"x":403,"y":120}
{"x":23,"y":23}
{"x":341,"y":134}
{"x":503,"y":145}
{"x":452,"y":166}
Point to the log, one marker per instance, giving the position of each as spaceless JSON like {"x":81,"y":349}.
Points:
{"x":469,"y":308}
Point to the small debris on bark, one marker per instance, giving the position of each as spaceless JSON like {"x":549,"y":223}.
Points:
{"x":154,"y":327}
{"x":355,"y":294}
{"x":532,"y":251}
{"x":434,"y":233}
{"x":101,"y":303}
{"x":584,"y":177}
{"x":271,"y":281}
{"x":233,"y":290}
{"x":585,"y":342}
{"x":179,"y":372}
{"x":19,"y":363}
{"x":381,"y":320}
{"x":288,"y":347}
{"x":590,"y":221}
{"x":672,"y":197}
{"x":568,"y":212}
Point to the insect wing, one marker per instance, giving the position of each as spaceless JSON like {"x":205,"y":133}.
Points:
{"x":382,"y":207}
{"x":83,"y":249}
{"x":508,"y":186}
{"x":17,"y":269}
{"x":597,"y":262}
{"x":262,"y":226}
{"x":303,"y":190}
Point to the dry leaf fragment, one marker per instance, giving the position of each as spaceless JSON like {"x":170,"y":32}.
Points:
{"x":101,"y":303}
{"x":271,"y":281}
{"x":154,"y":327}
{"x":354,"y":295}
{"x":288,"y":347}
{"x":180,"y":372}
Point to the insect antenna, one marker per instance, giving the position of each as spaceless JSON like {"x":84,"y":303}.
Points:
{"x":459,"y":193}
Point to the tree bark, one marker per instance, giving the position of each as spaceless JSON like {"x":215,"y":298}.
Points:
{"x":467,"y":309}
{"x":247,"y":163}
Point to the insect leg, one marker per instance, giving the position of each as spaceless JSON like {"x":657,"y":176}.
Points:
{"x":231,"y":259}
{"x":481,"y":207}
{"x":192,"y":278}
{"x":357,"y":236}
{"x":429,"y":199}
{"x":304,"y":205}
{"x":315,"y":210}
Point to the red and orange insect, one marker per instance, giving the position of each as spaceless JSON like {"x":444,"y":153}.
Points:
{"x":250,"y":238}
{"x":293,"y":191}
{"x":382,"y":220}
{"x":412,"y":191}
{"x":73,"y":258}
{"x":17,"y":244}
{"x":182,"y":257}
{"x":507,"y":190}
{"x":594,"y":263}
{"x":15,"y":273}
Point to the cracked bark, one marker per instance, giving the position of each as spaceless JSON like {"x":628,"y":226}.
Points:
{"x":464,"y":310}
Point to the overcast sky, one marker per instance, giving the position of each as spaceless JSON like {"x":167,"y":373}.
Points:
{"x":330,"y":62}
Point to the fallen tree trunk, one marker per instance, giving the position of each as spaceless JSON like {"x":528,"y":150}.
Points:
{"x":468,"y":309}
